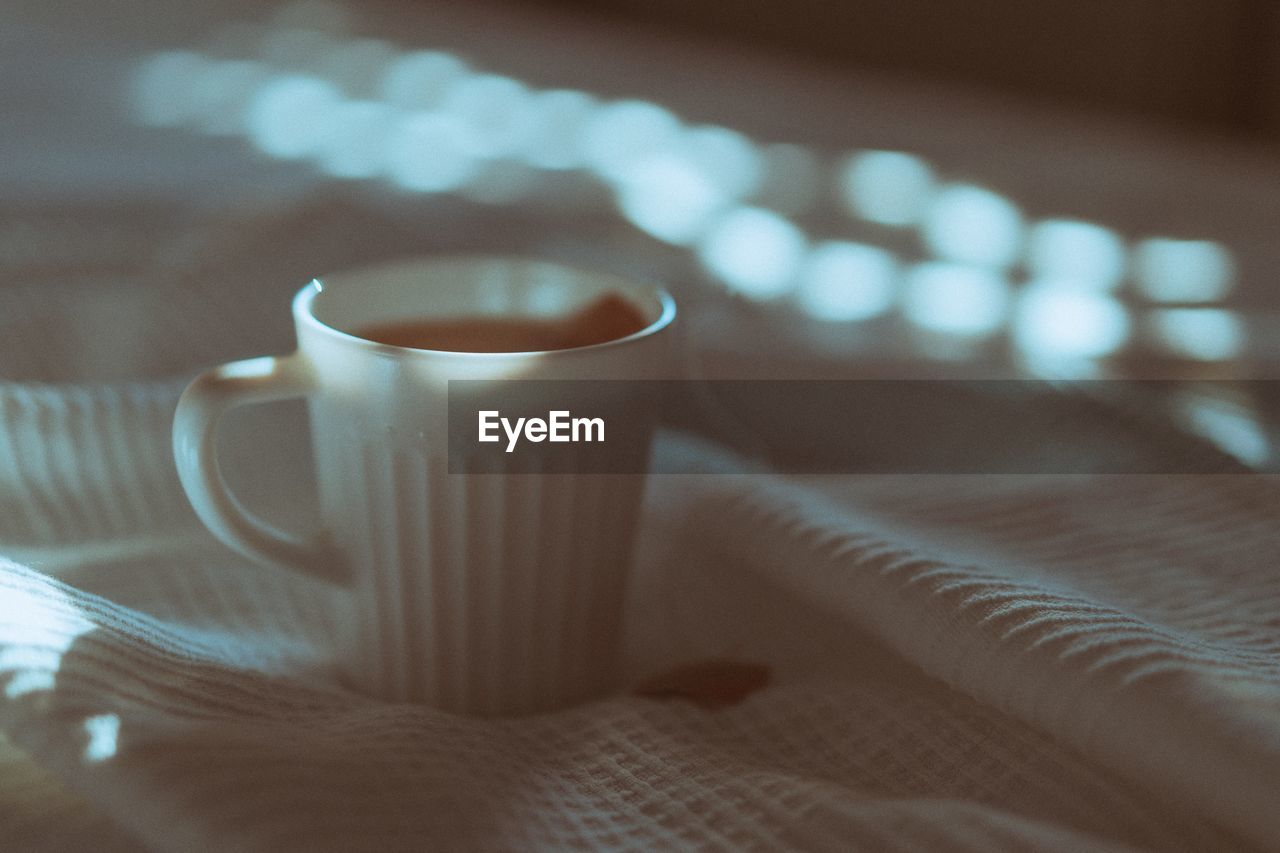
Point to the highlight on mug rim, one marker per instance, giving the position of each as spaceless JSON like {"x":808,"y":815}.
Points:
{"x":661,"y":304}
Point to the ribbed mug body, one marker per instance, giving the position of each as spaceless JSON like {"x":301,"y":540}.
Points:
{"x":493,"y":593}
{"x":487,"y":593}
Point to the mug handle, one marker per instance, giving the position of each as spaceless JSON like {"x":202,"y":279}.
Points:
{"x":195,"y":426}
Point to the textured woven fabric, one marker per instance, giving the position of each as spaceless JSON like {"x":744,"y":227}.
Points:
{"x":1110,"y":645}
{"x":963,"y":663}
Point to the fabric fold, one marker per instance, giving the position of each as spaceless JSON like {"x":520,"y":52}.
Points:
{"x":1159,"y":663}
{"x":198,"y":726}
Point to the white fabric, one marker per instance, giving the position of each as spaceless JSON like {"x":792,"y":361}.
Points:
{"x":1110,"y":646}
{"x":958,"y":663}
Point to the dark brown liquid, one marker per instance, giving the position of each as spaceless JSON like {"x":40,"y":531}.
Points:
{"x":606,"y":319}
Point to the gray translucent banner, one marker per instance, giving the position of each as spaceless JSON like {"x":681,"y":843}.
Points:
{"x":869,"y":426}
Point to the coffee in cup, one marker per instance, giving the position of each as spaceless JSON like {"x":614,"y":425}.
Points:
{"x":481,"y":593}
{"x":605,"y":318}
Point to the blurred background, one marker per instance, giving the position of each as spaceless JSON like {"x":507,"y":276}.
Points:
{"x":1056,"y":189}
{"x":1209,"y":66}
{"x":1065,"y":189}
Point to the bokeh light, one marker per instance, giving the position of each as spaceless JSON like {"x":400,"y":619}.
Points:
{"x":356,"y":146}
{"x":1232,"y":425}
{"x":955,"y":299}
{"x":419,"y":80}
{"x":755,"y":252}
{"x":888,"y":187}
{"x":558,"y":119}
{"x":430,"y":123}
{"x":1204,"y":334}
{"x":430,"y":152}
{"x":727,"y":159}
{"x":668,"y":198}
{"x":624,"y":134}
{"x":289,"y":116}
{"x":845,"y":282}
{"x":1183,"y":270}
{"x":493,"y":110}
{"x":972,"y":225}
{"x":222,"y":95}
{"x":1082,"y":252}
{"x":1055,"y":320}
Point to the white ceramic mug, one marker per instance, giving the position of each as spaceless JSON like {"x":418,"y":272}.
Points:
{"x":483,"y":594}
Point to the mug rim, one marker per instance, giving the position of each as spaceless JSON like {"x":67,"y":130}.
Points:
{"x":304,"y":299}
